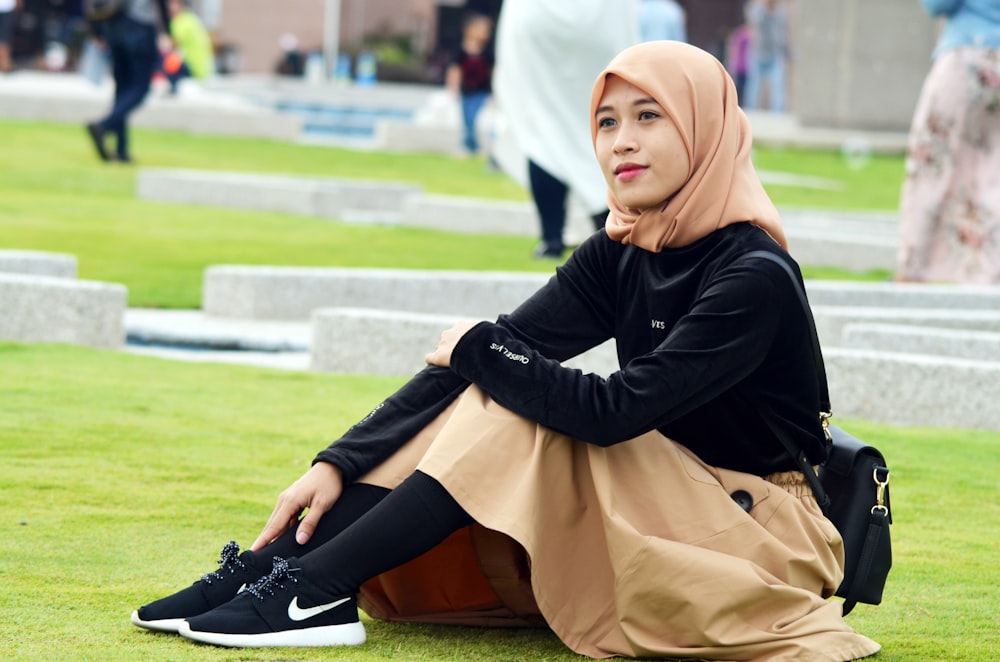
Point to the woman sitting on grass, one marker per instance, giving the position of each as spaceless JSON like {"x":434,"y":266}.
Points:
{"x":614,"y":494}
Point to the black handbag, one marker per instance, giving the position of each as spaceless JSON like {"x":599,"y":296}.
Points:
{"x":851,"y":486}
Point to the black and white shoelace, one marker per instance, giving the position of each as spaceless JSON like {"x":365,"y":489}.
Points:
{"x":229,"y":560}
{"x":280,"y":573}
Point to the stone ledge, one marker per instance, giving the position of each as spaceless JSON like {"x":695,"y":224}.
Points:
{"x":902,"y":389}
{"x":482,"y":216}
{"x":38,"y":263}
{"x":266,"y":292}
{"x":902,"y":295}
{"x":854,"y":253}
{"x":955,"y":343}
{"x":305,"y":196}
{"x":832,"y":320}
{"x":384,"y":342}
{"x":910,"y":389}
{"x":252,"y":292}
{"x":61,"y":310}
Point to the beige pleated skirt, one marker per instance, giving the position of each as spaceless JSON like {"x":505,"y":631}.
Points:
{"x":634,"y":550}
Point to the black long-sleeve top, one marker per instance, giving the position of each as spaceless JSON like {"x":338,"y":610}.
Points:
{"x":709,"y":340}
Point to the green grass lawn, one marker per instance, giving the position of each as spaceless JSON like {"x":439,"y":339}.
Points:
{"x":55,"y":196}
{"x":124,"y":476}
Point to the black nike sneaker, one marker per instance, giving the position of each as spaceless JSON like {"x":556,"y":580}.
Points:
{"x":280,"y":609}
{"x":236,"y":571}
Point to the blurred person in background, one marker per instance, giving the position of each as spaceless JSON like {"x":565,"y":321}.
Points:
{"x":8,"y":8}
{"x":130,"y":35}
{"x":192,"y":55}
{"x":469,"y":75}
{"x":768,"y":23}
{"x":950,"y":204}
{"x":662,"y":19}
{"x":738,"y":59}
{"x":548,"y":54}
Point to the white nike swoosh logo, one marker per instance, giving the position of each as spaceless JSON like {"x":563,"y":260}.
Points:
{"x":297,"y":613}
{"x":243,"y":587}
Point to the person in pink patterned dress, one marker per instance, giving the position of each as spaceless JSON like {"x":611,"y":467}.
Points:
{"x":950,"y":202}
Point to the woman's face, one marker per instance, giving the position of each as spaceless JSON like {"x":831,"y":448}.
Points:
{"x":640,"y":150}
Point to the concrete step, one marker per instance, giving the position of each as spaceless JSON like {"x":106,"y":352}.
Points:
{"x":39,"y":263}
{"x":891,"y":387}
{"x":831,"y":321}
{"x":956,"y":343}
{"x":913,"y":389}
{"x":304,"y":196}
{"x":902,"y":295}
{"x":61,"y":310}
{"x":261,"y":292}
{"x":292,"y":293}
{"x":389,"y":342}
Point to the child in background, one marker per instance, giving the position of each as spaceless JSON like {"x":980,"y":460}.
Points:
{"x":469,"y":75}
{"x":738,"y":59}
{"x":193,"y":55}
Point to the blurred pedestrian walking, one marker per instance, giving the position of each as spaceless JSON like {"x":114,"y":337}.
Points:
{"x":128,"y":29}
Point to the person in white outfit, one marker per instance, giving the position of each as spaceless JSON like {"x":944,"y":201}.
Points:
{"x":547,"y":57}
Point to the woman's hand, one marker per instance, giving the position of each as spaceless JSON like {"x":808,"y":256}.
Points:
{"x":441,"y":356}
{"x":318,"y":489}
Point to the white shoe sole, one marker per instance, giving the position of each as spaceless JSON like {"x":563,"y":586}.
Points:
{"x":163,"y":625}
{"x":347,"y":634}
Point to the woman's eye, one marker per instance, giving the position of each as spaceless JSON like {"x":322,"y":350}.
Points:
{"x":605,"y":122}
{"x":648,"y":115}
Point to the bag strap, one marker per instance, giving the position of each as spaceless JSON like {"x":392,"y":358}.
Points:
{"x":880,"y":512}
{"x":824,"y":393}
{"x":876,"y":526}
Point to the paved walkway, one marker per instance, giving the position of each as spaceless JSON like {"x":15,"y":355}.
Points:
{"x":191,"y":335}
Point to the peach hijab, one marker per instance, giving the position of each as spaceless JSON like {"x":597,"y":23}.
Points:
{"x":722,"y":186}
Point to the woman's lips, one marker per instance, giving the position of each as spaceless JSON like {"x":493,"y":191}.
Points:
{"x":629,"y":171}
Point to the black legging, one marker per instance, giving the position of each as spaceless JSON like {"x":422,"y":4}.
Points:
{"x":370,"y":530}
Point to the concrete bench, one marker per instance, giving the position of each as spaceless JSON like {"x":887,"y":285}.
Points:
{"x":39,"y":263}
{"x":62,"y":310}
{"x":903,"y":389}
{"x":294,"y":292}
{"x":902,"y":295}
{"x":305,"y":196}
{"x":858,"y":253}
{"x":385,"y":342}
{"x":913,"y":389}
{"x":956,"y":343}
{"x":832,"y":320}
{"x":480,"y":216}
{"x":263,"y":292}
{"x":831,"y":221}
